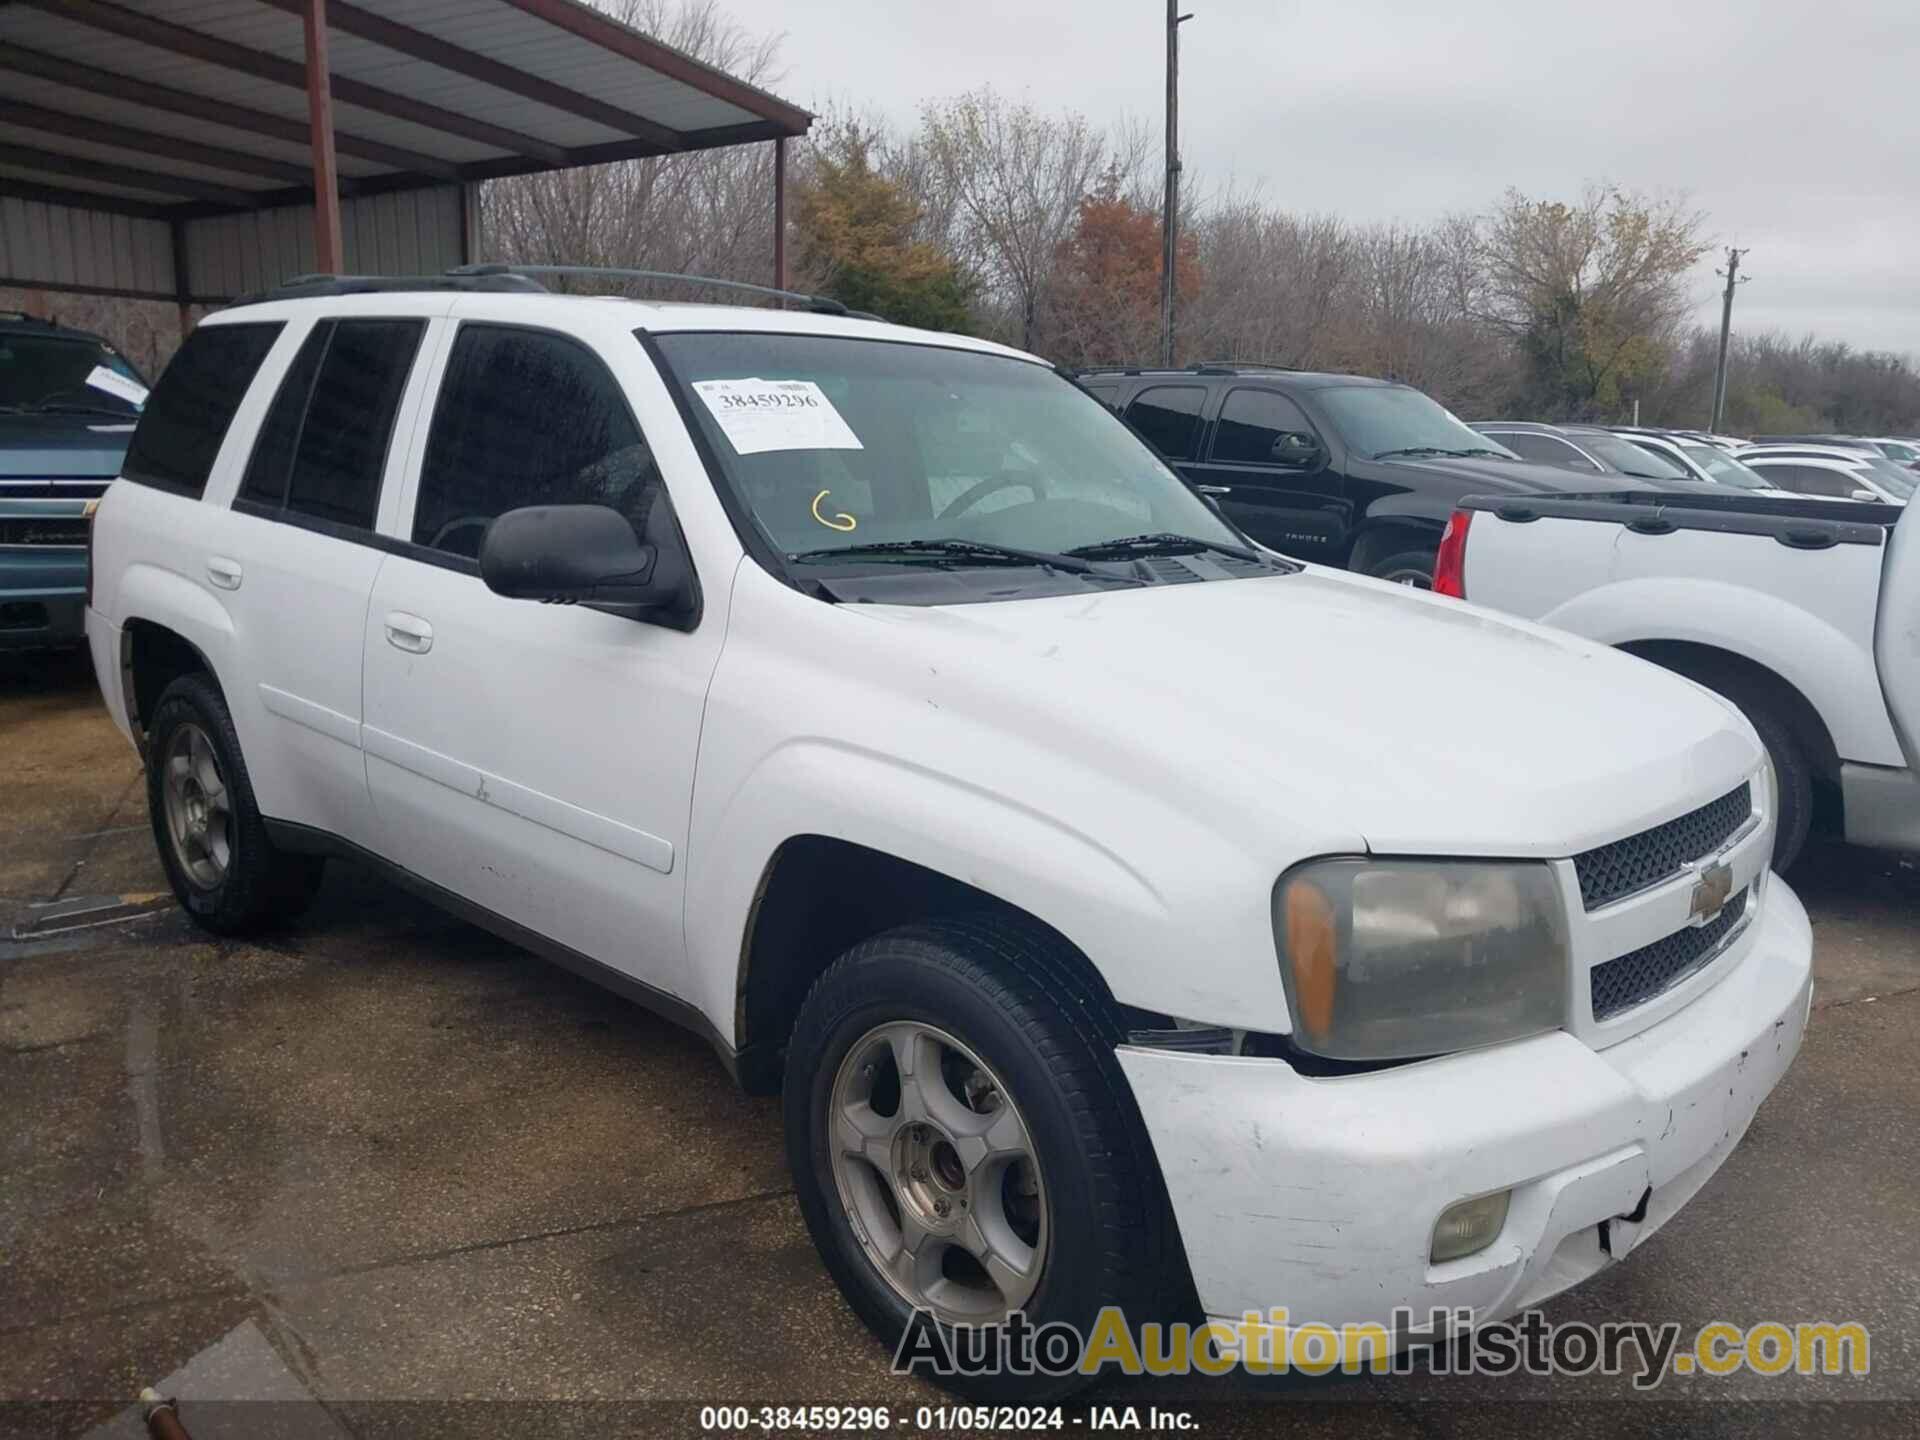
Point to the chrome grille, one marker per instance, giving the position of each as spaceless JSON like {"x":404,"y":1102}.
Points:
{"x":43,"y":530}
{"x":1611,"y":872}
{"x":1639,"y":975}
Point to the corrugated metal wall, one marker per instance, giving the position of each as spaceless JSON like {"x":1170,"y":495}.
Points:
{"x":55,"y":246}
{"x":409,"y":232}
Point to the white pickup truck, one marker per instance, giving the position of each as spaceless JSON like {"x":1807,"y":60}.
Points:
{"x":1118,"y":930}
{"x":1805,"y":613}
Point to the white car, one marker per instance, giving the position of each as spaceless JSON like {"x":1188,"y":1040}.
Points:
{"x":1799,"y":611}
{"x":875,"y":703}
{"x":1829,"y":472}
{"x":1701,"y":460}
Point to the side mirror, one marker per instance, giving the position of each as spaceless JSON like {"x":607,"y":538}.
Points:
{"x":577,"y":554}
{"x":1297,"y":447}
{"x":1866,"y":495}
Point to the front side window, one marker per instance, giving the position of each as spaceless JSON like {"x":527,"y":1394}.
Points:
{"x":187,"y":415}
{"x":1260,"y":427}
{"x":323,"y":446}
{"x":833,"y":444}
{"x":526,"y":417}
{"x":1169,"y":417}
{"x":1812,"y":480}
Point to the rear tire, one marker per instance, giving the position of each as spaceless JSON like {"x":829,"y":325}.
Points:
{"x":1412,"y":568}
{"x":213,"y":842}
{"x":1036,"y":1040}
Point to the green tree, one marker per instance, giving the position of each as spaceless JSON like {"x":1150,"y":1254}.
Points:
{"x":1592,"y":294}
{"x":855,"y":230}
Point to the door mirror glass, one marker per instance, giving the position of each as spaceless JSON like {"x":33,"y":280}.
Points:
{"x":575,"y":554}
{"x":1296,"y":447}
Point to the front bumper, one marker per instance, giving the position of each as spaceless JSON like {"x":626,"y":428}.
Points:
{"x":1320,"y":1195}
{"x":43,"y":595}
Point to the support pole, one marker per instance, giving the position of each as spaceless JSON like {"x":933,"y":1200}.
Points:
{"x":182,"y":276}
{"x":780,"y":212}
{"x":1170,"y":215}
{"x":1726,"y":329}
{"x":328,"y":253}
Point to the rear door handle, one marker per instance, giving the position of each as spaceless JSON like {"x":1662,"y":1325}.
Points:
{"x":1214,"y":489}
{"x":408,"y":632}
{"x":223,"y":572}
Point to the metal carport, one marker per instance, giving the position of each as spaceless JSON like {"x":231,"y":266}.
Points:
{"x":192,"y":150}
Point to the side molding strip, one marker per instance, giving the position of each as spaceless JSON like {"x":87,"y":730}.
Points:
{"x":599,"y":831}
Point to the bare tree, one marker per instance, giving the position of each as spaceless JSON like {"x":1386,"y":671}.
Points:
{"x":708,"y":212}
{"x":1015,"y":178}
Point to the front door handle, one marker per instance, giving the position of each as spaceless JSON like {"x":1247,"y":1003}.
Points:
{"x":408,"y":632}
{"x":223,"y":572}
{"x":1214,"y":489}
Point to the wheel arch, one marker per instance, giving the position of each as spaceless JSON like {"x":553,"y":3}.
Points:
{"x":1707,"y":663}
{"x":1383,"y":535}
{"x":818,"y":896}
{"x":152,"y":657}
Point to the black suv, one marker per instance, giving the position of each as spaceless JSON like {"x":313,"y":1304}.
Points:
{"x":1335,"y":468}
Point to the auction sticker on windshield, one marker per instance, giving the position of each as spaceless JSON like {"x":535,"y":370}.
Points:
{"x":117,"y":385}
{"x":762,"y":415}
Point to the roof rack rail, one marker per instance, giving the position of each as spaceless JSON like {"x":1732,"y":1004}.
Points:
{"x":819,"y":304}
{"x":308,"y":287}
{"x":1215,"y":367}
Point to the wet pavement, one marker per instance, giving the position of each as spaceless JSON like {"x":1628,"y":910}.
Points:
{"x":386,"y":1175}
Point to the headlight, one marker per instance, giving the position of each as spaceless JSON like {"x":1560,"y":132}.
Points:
{"x":1392,"y":959}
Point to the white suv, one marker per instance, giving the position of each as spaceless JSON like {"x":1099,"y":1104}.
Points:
{"x":1130,"y":914}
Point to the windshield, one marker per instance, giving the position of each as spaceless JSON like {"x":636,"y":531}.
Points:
{"x":848,"y":445}
{"x":1898,"y":450}
{"x":1381,"y":420}
{"x":1724,"y":468}
{"x":52,"y":374}
{"x":1628,"y":458}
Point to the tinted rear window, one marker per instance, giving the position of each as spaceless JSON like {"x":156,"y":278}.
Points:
{"x":188,"y":413}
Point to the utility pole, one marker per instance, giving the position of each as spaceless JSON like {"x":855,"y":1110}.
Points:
{"x":1732,"y":272}
{"x":1170,"y":216}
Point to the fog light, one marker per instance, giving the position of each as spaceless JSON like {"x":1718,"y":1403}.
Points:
{"x":1469,"y":1227}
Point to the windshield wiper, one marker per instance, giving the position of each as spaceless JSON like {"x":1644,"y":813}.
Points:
{"x":1161,"y":543}
{"x":979,"y":551}
{"x":1440,"y":450}
{"x":75,"y":407}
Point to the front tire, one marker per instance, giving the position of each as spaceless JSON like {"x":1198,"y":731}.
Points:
{"x":1412,"y":568}
{"x":213,"y":843}
{"x":964,"y":1143}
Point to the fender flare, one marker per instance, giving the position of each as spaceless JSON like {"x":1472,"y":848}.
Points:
{"x":1832,"y":673}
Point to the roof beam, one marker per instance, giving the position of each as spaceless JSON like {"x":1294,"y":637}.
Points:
{"x":79,"y":200}
{"x":163,"y":35}
{"x":391,"y":35}
{"x":645,"y":50}
{"x":85,"y":127}
{"x":91,"y":81}
{"x":150,"y":180}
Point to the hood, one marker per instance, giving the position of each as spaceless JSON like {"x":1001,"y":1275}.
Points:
{"x":62,"y":447}
{"x":1316,"y":709}
{"x":1518,"y":477}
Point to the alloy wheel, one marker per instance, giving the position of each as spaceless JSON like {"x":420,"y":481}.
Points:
{"x":199,"y":812}
{"x":936,"y":1170}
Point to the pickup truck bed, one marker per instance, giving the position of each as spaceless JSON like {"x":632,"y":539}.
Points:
{"x":1805,"y":613}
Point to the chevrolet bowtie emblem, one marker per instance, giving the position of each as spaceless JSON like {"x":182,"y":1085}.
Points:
{"x":1711,"y":890}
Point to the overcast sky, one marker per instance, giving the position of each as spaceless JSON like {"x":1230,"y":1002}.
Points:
{"x":1794,"y":125}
